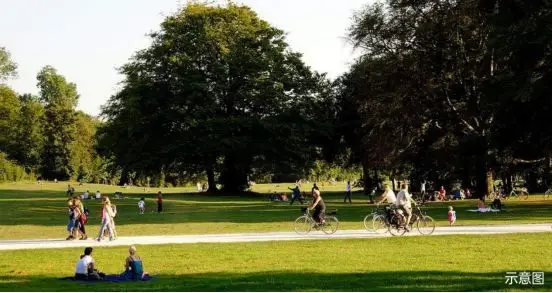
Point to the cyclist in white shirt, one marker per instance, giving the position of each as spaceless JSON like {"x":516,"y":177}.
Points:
{"x":388,"y":195}
{"x":404,"y":201}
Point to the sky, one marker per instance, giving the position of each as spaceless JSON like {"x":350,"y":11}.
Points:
{"x":86,"y":41}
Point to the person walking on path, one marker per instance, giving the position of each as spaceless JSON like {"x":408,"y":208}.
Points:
{"x":107,"y":215}
{"x":296,"y":194}
{"x":159,"y":202}
{"x":348,"y":192}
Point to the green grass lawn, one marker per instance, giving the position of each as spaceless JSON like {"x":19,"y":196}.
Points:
{"x":29,"y":211}
{"x":432,"y":263}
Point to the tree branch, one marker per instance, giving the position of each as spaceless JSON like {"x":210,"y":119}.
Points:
{"x":464,"y":122}
{"x":522,"y":161}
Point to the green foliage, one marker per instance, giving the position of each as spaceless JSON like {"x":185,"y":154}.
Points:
{"x":324,"y":171}
{"x":30,"y":139}
{"x":218,"y":90}
{"x":55,"y":89}
{"x":60,"y":128}
{"x":450,"y":89}
{"x":8,"y":68}
{"x":9,"y":112}
{"x":11,"y":172}
{"x":82,"y":149}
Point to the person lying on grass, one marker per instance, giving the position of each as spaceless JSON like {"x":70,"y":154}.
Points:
{"x":85,"y":270}
{"x":134,"y":269}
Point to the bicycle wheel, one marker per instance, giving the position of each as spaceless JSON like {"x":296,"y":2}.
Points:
{"x":426,"y":225}
{"x":303,"y":225}
{"x":378,"y":224}
{"x":331,"y":225}
{"x":396,"y":226}
{"x":368,"y":222}
{"x":524,"y":195}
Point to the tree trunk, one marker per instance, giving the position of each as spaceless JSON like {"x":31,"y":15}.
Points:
{"x":484,"y":172}
{"x":489,"y":181}
{"x":368,"y":180}
{"x":234,"y":175}
{"x":532,"y":184}
{"x":162,"y":177}
{"x":211,"y":180}
{"x":124,"y":177}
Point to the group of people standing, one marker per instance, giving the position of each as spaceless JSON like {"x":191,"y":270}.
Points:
{"x":78,"y":217}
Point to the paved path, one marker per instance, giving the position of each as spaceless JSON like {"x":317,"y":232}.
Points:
{"x":256,"y":237}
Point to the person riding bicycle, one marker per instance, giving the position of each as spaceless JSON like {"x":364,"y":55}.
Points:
{"x":319,"y":207}
{"x":404,"y":202}
{"x":387,"y":195}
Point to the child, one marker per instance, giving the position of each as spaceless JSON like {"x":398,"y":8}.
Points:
{"x":142,"y":206}
{"x":451,"y":216}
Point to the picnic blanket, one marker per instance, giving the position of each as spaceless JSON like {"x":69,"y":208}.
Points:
{"x":484,"y":211}
{"x":112,"y":278}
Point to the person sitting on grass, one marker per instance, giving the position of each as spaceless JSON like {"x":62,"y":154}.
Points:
{"x":497,"y":204}
{"x":481,"y":206}
{"x":134,"y":269}
{"x":85,"y":270}
{"x":442,"y":193}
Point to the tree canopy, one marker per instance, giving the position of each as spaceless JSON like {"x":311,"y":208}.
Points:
{"x":218,"y":90}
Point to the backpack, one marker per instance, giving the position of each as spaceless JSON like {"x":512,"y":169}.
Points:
{"x":84,"y":216}
{"x":137,"y":269}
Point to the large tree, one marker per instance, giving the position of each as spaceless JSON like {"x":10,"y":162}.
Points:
{"x":60,"y":98}
{"x":450,"y":64}
{"x":218,"y":90}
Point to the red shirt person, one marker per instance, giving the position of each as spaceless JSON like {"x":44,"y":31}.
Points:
{"x":159,"y":202}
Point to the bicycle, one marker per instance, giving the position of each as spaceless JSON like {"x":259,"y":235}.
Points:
{"x":424,"y":223}
{"x":375,"y":226}
{"x":394,"y":220}
{"x":305,"y":223}
{"x":548,"y":193}
{"x":521,"y":193}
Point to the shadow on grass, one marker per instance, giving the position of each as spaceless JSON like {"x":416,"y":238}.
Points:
{"x":288,"y":281}
{"x":48,"y":208}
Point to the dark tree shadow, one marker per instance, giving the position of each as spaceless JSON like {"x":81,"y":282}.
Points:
{"x":289,"y":281}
